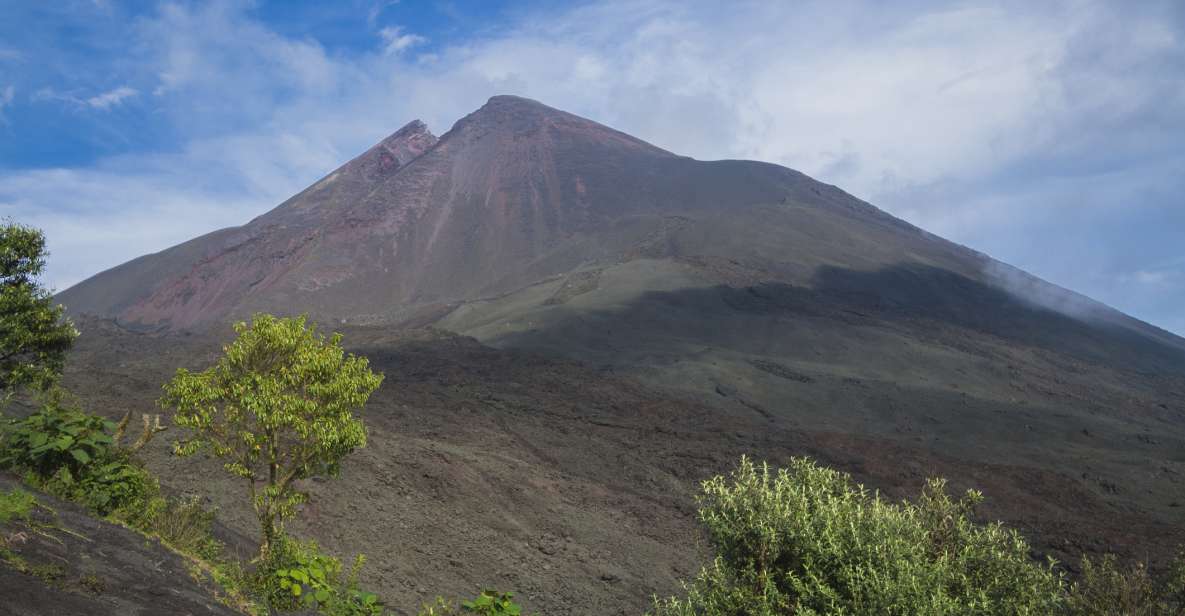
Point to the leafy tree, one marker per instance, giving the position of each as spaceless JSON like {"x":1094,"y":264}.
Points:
{"x":279,"y":407}
{"x":34,"y":334}
{"x":807,"y":541}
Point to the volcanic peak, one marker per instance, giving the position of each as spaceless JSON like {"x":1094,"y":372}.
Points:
{"x":394,"y":152}
{"x":509,"y":117}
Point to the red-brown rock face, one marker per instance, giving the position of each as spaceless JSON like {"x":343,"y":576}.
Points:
{"x":516,"y":191}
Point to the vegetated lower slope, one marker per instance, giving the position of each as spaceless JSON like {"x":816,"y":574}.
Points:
{"x":569,"y":484}
{"x":63,"y":561}
{"x":764,"y":312}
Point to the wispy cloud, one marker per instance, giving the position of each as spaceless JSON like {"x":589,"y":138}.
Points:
{"x":1153,"y":278}
{"x":376,"y":10}
{"x":102,"y":101}
{"x":1044,"y":134}
{"x":7,"y":94}
{"x":111,"y":98}
{"x":396,"y":41}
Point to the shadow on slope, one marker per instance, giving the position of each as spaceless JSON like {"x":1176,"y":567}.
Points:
{"x":924,"y":302}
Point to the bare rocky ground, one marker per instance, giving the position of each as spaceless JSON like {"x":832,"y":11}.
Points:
{"x":574,"y":485}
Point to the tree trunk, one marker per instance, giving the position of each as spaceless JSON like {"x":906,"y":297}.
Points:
{"x":268,"y":530}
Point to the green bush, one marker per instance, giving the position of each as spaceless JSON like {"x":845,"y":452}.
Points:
{"x":57,"y":437}
{"x":73,"y":455}
{"x":1105,"y":590}
{"x":297,"y":575}
{"x":493,"y":603}
{"x":805,"y":540}
{"x":15,"y":505}
{"x":488,"y":603}
{"x":117,"y":488}
{"x":183,"y":524}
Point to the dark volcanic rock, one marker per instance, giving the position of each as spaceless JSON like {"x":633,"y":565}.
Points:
{"x":89,"y":567}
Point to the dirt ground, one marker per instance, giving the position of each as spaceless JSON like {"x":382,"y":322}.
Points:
{"x":571,"y":485}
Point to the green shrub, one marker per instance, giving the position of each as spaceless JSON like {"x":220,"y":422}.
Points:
{"x":488,"y":603}
{"x":493,"y":603}
{"x":59,"y":436}
{"x":807,"y":541}
{"x":1105,"y":590}
{"x":183,"y":524}
{"x":73,"y":455}
{"x":297,"y":575}
{"x":116,"y":487}
{"x":15,"y":505}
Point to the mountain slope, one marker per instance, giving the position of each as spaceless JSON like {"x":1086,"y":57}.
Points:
{"x":515,"y":194}
{"x":644,"y":318}
{"x":68,"y":562}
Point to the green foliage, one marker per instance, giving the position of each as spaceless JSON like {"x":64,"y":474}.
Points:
{"x":93,"y":583}
{"x":16,"y":505}
{"x":807,"y":541}
{"x":119,"y":487}
{"x":71,"y":454}
{"x":183,"y":524}
{"x":297,"y":575}
{"x":34,"y":334}
{"x":488,"y":603}
{"x":278,"y":407}
{"x":1105,"y":589}
{"x":439,"y":607}
{"x":59,"y":436}
{"x":493,"y":603}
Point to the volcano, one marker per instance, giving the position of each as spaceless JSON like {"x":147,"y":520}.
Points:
{"x":517,"y":195}
{"x":623,"y":320}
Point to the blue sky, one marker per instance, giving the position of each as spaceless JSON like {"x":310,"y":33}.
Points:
{"x":1049,"y":135}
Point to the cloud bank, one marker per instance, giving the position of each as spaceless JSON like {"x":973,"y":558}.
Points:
{"x":1046,"y":135}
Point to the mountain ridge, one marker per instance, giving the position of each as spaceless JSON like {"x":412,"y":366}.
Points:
{"x":512,"y":194}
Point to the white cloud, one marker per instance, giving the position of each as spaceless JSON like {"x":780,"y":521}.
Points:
{"x":111,"y":98}
{"x":376,"y":10}
{"x":396,"y":41}
{"x":102,"y":101}
{"x":1002,"y":125}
